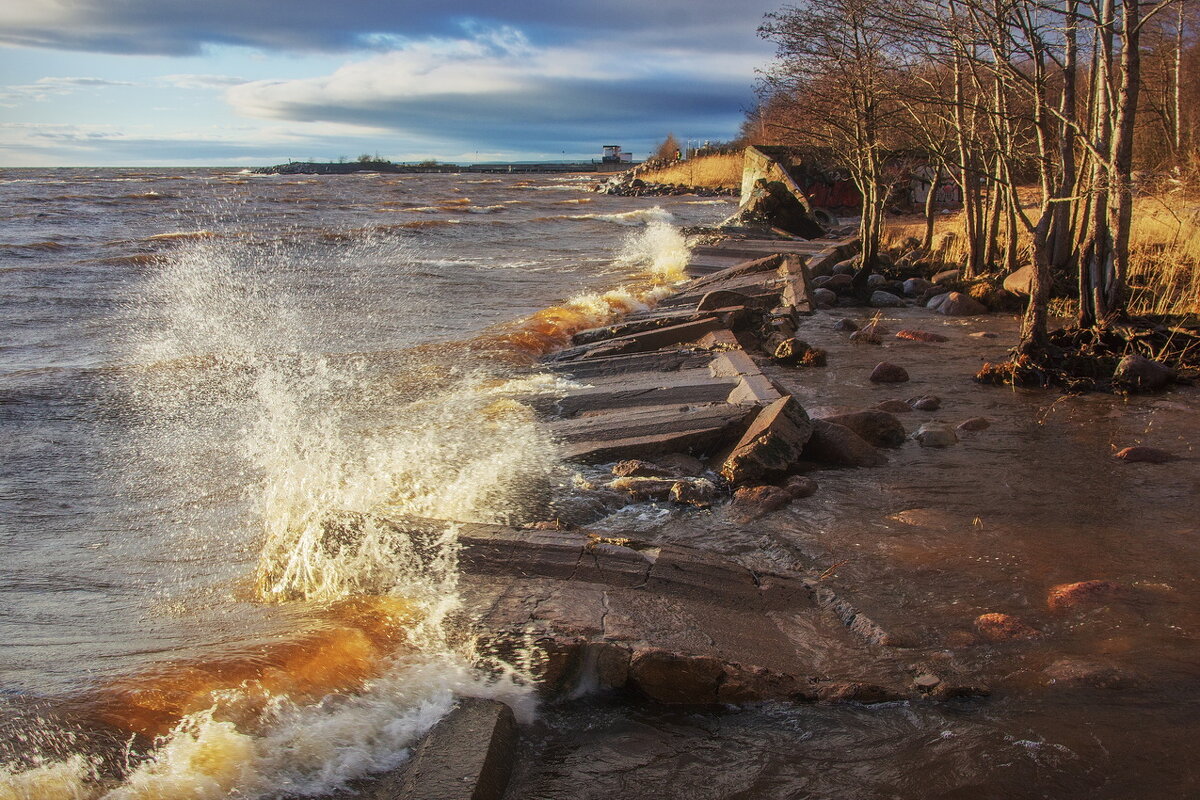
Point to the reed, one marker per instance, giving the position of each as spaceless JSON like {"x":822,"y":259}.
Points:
{"x":1164,"y":274}
{"x":719,"y":171}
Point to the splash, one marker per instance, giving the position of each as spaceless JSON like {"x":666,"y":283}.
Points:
{"x":642,"y":216}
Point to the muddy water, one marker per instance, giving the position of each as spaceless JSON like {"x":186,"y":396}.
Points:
{"x":1103,"y":704}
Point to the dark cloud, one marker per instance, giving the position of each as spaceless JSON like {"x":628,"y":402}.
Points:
{"x":184,"y":27}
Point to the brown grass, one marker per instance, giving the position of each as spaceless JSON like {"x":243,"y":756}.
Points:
{"x":722,"y":171}
{"x":1164,"y":275}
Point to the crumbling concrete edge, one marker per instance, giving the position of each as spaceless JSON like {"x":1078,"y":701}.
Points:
{"x":468,"y":755}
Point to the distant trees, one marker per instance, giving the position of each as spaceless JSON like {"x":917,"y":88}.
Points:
{"x":668,"y":149}
{"x":1000,"y":94}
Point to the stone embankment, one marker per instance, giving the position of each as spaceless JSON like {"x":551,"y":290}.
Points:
{"x":628,"y":184}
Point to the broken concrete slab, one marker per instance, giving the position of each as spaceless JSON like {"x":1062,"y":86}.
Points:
{"x":771,"y":445}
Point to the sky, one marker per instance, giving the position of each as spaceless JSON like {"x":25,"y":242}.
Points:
{"x":254,"y":82}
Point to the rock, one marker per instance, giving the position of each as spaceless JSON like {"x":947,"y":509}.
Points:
{"x":885,"y":300}
{"x":867,"y":335}
{"x":772,"y":204}
{"x":1020,"y":281}
{"x":800,"y":486}
{"x":894,"y":406}
{"x":754,"y":502}
{"x":1145,"y":455}
{"x":1142,"y":374}
{"x":926,"y":402}
{"x":682,"y":463}
{"x":945,"y":276}
{"x":469,"y":753}
{"x":856,"y":692}
{"x":771,"y":445}
{"x":879,"y":428}
{"x":824,"y":298}
{"x":790,"y":350}
{"x":974,"y":424}
{"x":845,"y":324}
{"x":549,"y":525}
{"x":875,"y":280}
{"x":956,"y":304}
{"x":916,"y":286}
{"x":921,"y":336}
{"x":847,"y":267}
{"x":723,"y":298}
{"x":838,"y":282}
{"x":931,"y":435}
{"x":984,"y":335}
{"x":1072,"y":595}
{"x":699,"y":492}
{"x":820,"y":281}
{"x":1004,"y":628}
{"x":839,"y":446}
{"x":641,"y":489}
{"x":676,"y":678}
{"x":636,"y":468}
{"x":886,"y":372}
{"x":926,"y":682}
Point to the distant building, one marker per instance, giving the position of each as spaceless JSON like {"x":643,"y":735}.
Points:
{"x":613,"y":155}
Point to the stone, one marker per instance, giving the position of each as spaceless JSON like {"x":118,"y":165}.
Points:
{"x":916,"y":286}
{"x":682,"y":463}
{"x":838,"y":282}
{"x":790,"y":350}
{"x":1141,"y":374}
{"x":974,"y":424}
{"x":956,"y":304}
{"x":879,"y":428}
{"x":824,"y":298}
{"x":880,"y":299}
{"x":1020,"y":281}
{"x":800,"y":486}
{"x":926,"y":402}
{"x":641,"y":489}
{"x":945,"y":276}
{"x":894,"y":406}
{"x":984,"y":335}
{"x":636,"y":468}
{"x":1079,"y":673}
{"x":847,"y":267}
{"x":886,"y":372}
{"x":926,"y":682}
{"x":468,"y":755}
{"x":1004,"y":628}
{"x":722,"y":298}
{"x":1066,"y":596}
{"x":845,"y":324}
{"x":875,"y":280}
{"x":931,"y":435}
{"x":772,"y":204}
{"x":771,"y":445}
{"x":754,"y":502}
{"x":921,"y":336}
{"x":699,"y":492}
{"x":839,"y":446}
{"x":1142,"y":454}
{"x":867,"y":335}
{"x":676,"y":678}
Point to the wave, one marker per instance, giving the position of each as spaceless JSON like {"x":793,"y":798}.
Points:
{"x":642,"y":216}
{"x":47,"y":246}
{"x":180,"y":236}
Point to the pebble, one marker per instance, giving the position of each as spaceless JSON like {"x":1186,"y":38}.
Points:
{"x":886,"y":372}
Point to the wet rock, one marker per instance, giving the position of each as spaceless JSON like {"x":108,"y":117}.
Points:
{"x":642,"y":489}
{"x":984,"y":335}
{"x":1142,"y":374}
{"x":845,"y":324}
{"x":839,"y":446}
{"x":1004,"y":628}
{"x":856,"y":692}
{"x":926,"y":402}
{"x":926,"y":682}
{"x":921,"y":336}
{"x":636,"y":468}
{"x":875,"y":280}
{"x":974,"y":424}
{"x":772,"y":204}
{"x":867,"y":335}
{"x":886,"y":372}
{"x":838,"y":283}
{"x":824,"y":298}
{"x":699,"y":492}
{"x":754,"y":502}
{"x":682,"y":463}
{"x":549,"y":525}
{"x":956,"y":304}
{"x":675,"y":678}
{"x":1142,"y":454}
{"x":894,"y":406}
{"x":847,"y":267}
{"x":945,"y":276}
{"x":959,"y":691}
{"x":771,"y":445}
{"x":1067,"y":596}
{"x":879,"y":428}
{"x":800,"y":486}
{"x":916,"y":286}
{"x":931,"y":435}
{"x":790,"y":350}
{"x":881,"y":299}
{"x":1079,"y":673}
{"x":722,"y":298}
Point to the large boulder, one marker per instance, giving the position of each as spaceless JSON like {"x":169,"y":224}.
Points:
{"x":886,"y":372}
{"x":771,"y":445}
{"x":1142,"y":374}
{"x":771,"y":204}
{"x":934,"y":435}
{"x":877,"y":427}
{"x":956,"y":304}
{"x":1020,"y":281}
{"x":881,"y":299}
{"x":837,"y":445}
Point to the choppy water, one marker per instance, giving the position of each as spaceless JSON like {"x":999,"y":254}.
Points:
{"x":198,"y":368}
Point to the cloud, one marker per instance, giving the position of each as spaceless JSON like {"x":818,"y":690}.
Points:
{"x":180,"y":27}
{"x":45,"y":88}
{"x":187,"y":81}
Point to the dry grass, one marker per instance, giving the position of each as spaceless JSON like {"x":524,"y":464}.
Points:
{"x":1164,"y":275}
{"x":723,"y":171}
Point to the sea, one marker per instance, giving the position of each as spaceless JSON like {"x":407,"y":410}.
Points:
{"x":199,"y":370}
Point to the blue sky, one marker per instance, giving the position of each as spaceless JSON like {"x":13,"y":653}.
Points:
{"x":240,"y":82}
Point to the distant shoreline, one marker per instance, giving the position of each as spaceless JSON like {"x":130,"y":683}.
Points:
{"x":350,"y":167}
